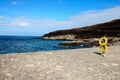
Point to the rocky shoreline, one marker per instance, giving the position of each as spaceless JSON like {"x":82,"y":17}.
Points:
{"x":112,"y":41}
{"x":89,"y":35}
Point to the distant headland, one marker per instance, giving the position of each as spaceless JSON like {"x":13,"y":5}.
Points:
{"x":79,"y":36}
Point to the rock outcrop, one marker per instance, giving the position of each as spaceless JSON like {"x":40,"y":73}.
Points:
{"x":91,"y":42}
{"x":63,"y":37}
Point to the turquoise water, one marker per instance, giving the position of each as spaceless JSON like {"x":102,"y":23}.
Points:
{"x":19,"y":44}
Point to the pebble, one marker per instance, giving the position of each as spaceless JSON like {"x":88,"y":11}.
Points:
{"x":29,"y":65}
{"x":14,"y":66}
{"x":90,"y":68}
{"x":59,"y":67}
{"x":114,"y":64}
{"x":105,"y":64}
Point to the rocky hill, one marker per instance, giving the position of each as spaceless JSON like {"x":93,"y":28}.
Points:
{"x":109,"y":29}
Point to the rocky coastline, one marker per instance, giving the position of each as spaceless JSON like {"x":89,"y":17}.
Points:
{"x":88,"y":36}
{"x":112,"y":41}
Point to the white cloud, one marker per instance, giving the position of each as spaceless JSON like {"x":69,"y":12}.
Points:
{"x":94,"y":17}
{"x":23,"y":24}
{"x":20,"y":24}
{"x":14,"y":3}
{"x":83,"y":19}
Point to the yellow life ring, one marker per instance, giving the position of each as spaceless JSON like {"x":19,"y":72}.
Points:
{"x":103,"y":41}
{"x":103,"y":48}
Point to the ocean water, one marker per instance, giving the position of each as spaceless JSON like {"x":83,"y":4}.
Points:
{"x":19,"y":44}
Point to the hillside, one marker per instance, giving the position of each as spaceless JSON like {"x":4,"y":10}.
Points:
{"x":109,"y":29}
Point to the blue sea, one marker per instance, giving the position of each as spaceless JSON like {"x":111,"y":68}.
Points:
{"x":19,"y":44}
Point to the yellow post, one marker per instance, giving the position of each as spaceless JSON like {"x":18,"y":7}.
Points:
{"x":103,"y":45}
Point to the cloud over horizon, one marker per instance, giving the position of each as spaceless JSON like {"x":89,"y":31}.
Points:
{"x":86,"y":18}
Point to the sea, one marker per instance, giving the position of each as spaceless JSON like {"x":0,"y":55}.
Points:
{"x":20,"y":44}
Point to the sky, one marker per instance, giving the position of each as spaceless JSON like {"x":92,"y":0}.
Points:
{"x":38,"y":17}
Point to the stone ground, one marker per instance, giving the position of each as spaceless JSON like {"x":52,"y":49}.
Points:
{"x":76,"y":64}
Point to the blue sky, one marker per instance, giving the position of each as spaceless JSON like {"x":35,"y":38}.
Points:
{"x":37,"y":17}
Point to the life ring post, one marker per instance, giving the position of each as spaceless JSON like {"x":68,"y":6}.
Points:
{"x":103,"y":45}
